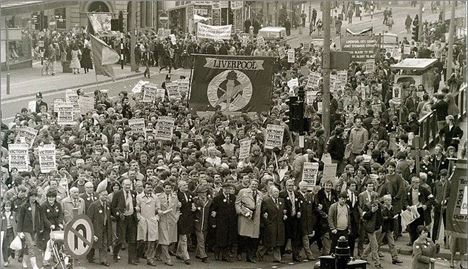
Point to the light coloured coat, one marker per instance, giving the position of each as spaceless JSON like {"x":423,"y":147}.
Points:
{"x":245,"y":203}
{"x":168,"y":221}
{"x":69,"y":211}
{"x":147,"y":217}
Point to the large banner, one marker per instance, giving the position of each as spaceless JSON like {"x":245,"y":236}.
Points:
{"x":231,"y":83}
{"x":214,"y":32}
{"x":457,"y":205}
{"x":361,"y":47}
{"x":100,"y":23}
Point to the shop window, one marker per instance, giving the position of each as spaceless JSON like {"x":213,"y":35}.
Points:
{"x":61,"y":18}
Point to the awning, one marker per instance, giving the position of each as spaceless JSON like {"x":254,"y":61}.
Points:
{"x":9,"y":8}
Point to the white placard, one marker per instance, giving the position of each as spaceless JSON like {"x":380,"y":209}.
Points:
{"x":244,"y":150}
{"x":137,"y":125}
{"x":18,"y":157}
{"x":139,"y":86}
{"x":86,"y":104}
{"x":149,"y":93}
{"x":183,"y":86}
{"x":370,"y":65}
{"x":309,"y":173}
{"x":26,"y":135}
{"x":47,"y":158}
{"x":407,"y":49}
{"x":313,"y":80}
{"x":66,"y":114}
{"x":274,"y":136}
{"x":293,"y":83}
{"x":164,"y":128}
{"x":214,"y":32}
{"x":291,"y":55}
{"x":173,"y":91}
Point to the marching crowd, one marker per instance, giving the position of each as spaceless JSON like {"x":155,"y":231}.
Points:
{"x":192,"y":195}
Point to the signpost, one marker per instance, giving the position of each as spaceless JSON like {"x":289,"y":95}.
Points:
{"x":79,"y":236}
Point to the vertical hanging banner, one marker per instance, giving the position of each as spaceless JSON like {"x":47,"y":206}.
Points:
{"x":244,"y":149}
{"x":309,"y":173}
{"x":137,"y":125}
{"x":26,"y":135}
{"x":274,"y":136}
{"x":291,"y":55}
{"x":18,"y":157}
{"x":164,"y":128}
{"x":457,"y":205}
{"x":231,"y":83}
{"x":47,"y":158}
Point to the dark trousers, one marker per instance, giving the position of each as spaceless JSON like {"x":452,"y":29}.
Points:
{"x":412,"y":227}
{"x":126,"y":232}
{"x":438,"y":212}
{"x":102,"y":248}
{"x":292,"y":232}
{"x":335,"y":237}
{"x":6,"y":241}
{"x":249,"y":246}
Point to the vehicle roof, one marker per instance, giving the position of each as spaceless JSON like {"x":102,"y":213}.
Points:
{"x":414,"y":64}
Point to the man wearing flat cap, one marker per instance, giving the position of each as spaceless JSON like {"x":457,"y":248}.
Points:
{"x":223,"y":213}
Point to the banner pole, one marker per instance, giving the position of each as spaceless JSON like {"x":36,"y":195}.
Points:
{"x":190,"y":80}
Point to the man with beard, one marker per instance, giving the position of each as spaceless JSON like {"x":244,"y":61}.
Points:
{"x":292,"y":222}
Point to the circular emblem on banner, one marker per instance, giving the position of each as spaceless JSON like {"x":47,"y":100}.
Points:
{"x":231,"y":90}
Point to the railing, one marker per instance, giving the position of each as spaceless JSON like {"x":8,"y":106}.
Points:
{"x":428,"y":129}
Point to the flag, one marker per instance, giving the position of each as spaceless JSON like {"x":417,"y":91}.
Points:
{"x":103,"y":57}
{"x":231,"y":83}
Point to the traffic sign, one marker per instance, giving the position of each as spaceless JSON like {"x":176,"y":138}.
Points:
{"x":79,"y":236}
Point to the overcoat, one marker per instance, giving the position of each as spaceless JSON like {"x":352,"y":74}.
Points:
{"x":423,"y":250}
{"x":147,"y":217}
{"x":249,"y":226}
{"x":274,"y":233}
{"x":225,"y":221}
{"x":185,"y":223}
{"x":96,"y":212}
{"x":168,"y":222}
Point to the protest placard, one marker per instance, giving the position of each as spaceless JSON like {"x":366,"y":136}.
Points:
{"x":319,"y":107}
{"x":342,"y":76}
{"x":309,"y":173}
{"x":406,"y":49}
{"x":370,"y":65}
{"x":137,"y":125}
{"x":71,"y":96}
{"x":173,"y":91}
{"x":313,"y":80}
{"x":164,"y":128}
{"x":57,"y":103}
{"x":139,"y":86}
{"x":274,"y":136}
{"x":291,"y":55}
{"x":293,"y":83}
{"x":26,"y":135}
{"x":329,"y":171}
{"x":160,"y":94}
{"x":149,"y":93}
{"x":86,"y":104}
{"x":244,"y":149}
{"x":183,"y":86}
{"x":66,"y":114}
{"x":47,"y":158}
{"x":310,"y":96}
{"x":18,"y":157}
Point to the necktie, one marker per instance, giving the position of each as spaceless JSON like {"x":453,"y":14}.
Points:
{"x":167,"y":198}
{"x":105,"y":213}
{"x":227,"y":197}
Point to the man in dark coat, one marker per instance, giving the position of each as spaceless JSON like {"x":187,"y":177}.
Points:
{"x":137,"y":52}
{"x":336,"y":147}
{"x":356,"y":213}
{"x":451,"y":133}
{"x":324,"y":199}
{"x":224,"y":220}
{"x":53,"y":213}
{"x":88,"y":196}
{"x":100,"y":214}
{"x":125,"y":212}
{"x":419,"y":197}
{"x":309,"y":217}
{"x":292,"y":223}
{"x":272,"y":217}
{"x":185,"y":223}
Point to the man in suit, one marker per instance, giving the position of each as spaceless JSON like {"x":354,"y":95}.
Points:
{"x":147,"y":233}
{"x":223,"y":213}
{"x":325,"y":198}
{"x":124,"y":211}
{"x":292,"y":222}
{"x":451,"y":133}
{"x":201,"y":218}
{"x":365,"y":199}
{"x":100,"y":214}
{"x":356,"y":213}
{"x":273,"y":215}
{"x":73,"y":205}
{"x":419,"y":197}
{"x":185,"y":223}
{"x":88,"y":196}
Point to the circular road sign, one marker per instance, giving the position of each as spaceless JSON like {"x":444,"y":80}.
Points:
{"x":79,"y":236}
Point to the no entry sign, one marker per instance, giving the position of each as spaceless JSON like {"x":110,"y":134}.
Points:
{"x":78,"y":236}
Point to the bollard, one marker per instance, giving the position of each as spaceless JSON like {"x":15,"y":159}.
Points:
{"x":8,"y":83}
{"x":342,"y":255}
